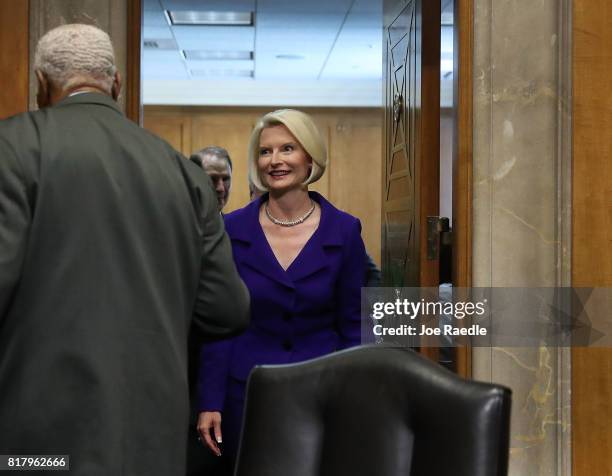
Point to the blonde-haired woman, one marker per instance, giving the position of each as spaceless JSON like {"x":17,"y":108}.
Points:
{"x":303,"y":262}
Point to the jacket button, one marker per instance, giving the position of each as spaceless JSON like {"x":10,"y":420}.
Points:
{"x":287,"y":316}
{"x":287,"y":345}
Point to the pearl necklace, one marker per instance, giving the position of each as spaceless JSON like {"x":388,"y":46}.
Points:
{"x":297,"y":221}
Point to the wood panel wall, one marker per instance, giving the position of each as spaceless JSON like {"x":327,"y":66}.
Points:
{"x":592,"y":228}
{"x":14,"y":30}
{"x":352,"y":181}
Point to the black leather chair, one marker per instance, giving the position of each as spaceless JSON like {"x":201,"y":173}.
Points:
{"x":372,"y":411}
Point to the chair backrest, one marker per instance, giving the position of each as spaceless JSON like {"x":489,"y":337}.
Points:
{"x":372,"y":411}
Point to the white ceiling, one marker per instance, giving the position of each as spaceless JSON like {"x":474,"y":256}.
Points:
{"x":306,"y":53}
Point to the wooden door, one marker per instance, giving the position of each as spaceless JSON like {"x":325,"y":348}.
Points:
{"x":411,"y":80}
{"x":14,"y":31}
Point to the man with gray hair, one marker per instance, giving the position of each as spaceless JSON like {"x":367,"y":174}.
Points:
{"x":217,"y":164}
{"x":111,"y":247}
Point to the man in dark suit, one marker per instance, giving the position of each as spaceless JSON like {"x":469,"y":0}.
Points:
{"x":111,"y":245}
{"x":217,"y":164}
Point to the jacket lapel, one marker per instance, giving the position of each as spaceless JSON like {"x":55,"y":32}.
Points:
{"x":258,"y":255}
{"x":313,"y":257}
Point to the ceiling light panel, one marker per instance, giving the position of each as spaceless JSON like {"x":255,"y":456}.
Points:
{"x":221,"y":65}
{"x":222,"y":73}
{"x":220,"y":38}
{"x":209,"y":5}
{"x":214,"y":55}
{"x":211,"y":18}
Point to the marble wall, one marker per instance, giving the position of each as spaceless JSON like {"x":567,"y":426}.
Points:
{"x":109,"y":15}
{"x":521,"y":206}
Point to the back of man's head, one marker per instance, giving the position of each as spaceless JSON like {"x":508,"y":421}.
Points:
{"x":76,"y":55}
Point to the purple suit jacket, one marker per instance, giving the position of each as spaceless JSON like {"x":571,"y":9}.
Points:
{"x":311,"y":309}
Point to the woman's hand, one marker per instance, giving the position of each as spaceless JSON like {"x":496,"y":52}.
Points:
{"x":206,"y":421}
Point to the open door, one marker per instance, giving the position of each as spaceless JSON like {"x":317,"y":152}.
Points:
{"x":411,"y":77}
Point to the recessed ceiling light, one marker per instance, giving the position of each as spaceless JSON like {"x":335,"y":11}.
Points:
{"x":211,"y":18}
{"x":217,"y":55}
{"x":223,"y":73}
{"x":290,"y":57}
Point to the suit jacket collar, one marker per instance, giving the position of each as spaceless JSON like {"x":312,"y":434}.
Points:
{"x":311,"y":259}
{"x":90,"y":98}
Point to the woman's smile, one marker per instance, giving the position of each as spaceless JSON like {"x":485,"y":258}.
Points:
{"x":283,"y":163}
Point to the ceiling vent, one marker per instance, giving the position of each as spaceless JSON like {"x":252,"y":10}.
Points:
{"x":159,"y":44}
{"x":211,"y":18}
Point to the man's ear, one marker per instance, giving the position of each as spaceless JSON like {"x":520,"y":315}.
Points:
{"x":116,"y":88}
{"x":43,"y":95}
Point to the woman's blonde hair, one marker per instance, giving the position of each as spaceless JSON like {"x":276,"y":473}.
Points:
{"x":303,"y":129}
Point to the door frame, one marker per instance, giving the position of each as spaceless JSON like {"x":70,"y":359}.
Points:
{"x":462,"y":160}
{"x":14,"y":57}
{"x":133,"y":90}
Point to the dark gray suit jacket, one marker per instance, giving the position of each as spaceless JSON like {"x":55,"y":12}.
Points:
{"x":110,"y":242}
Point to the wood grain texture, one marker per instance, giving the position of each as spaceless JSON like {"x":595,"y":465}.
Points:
{"x":133,"y":99}
{"x":429,"y":163}
{"x":351,"y":181}
{"x":428,"y":172}
{"x":592,"y":228}
{"x":174,"y":129}
{"x":351,"y":165}
{"x":401,"y":164}
{"x":462,"y":160}
{"x":14,"y":60}
{"x":411,"y":65}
